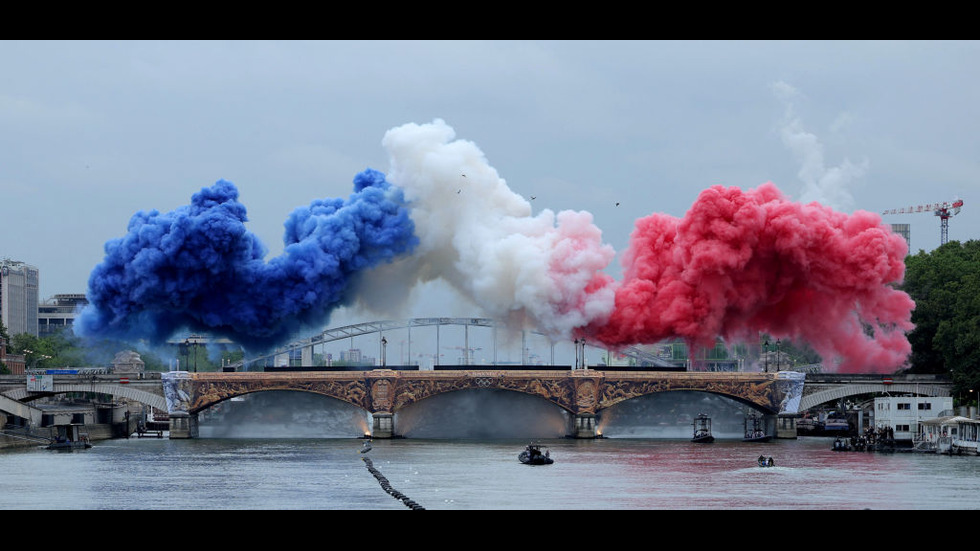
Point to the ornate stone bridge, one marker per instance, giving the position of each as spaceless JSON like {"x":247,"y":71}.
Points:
{"x":383,"y":392}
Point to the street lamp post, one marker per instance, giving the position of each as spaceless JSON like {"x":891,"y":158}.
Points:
{"x":765,"y":347}
{"x":35,"y":357}
{"x":187,"y":351}
{"x":777,"y":355}
{"x":384,"y":347}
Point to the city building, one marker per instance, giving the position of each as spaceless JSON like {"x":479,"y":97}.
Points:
{"x":352,"y":356}
{"x":18,"y":297}
{"x":16,"y":363}
{"x":58,"y":313}
{"x":128,"y":361}
{"x":905,"y":230}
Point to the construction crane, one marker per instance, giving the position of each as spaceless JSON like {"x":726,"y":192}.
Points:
{"x":943,"y":210}
{"x":466,"y":356}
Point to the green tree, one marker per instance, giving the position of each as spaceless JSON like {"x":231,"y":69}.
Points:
{"x":66,"y":350}
{"x":945,"y":285}
{"x":37,"y":352}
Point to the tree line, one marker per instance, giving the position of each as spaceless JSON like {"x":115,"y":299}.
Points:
{"x":945,"y":285}
{"x":62,"y":349}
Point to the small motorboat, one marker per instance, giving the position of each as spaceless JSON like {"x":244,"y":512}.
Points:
{"x":702,"y":429}
{"x":755,"y":429}
{"x":532,"y":455}
{"x":70,"y":438}
{"x":65,"y":444}
{"x":766,"y":462}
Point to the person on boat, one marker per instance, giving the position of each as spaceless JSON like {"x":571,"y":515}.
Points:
{"x":762,"y":461}
{"x":771,"y":462}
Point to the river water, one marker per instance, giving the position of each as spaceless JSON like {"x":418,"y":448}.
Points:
{"x":473,"y":474}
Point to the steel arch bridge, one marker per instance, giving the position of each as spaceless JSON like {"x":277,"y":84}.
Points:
{"x":305,"y":346}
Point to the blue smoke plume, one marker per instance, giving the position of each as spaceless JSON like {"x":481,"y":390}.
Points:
{"x":197,"y":268}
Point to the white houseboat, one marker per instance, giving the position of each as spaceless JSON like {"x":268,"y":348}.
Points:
{"x":904,"y":415}
{"x":949,"y":434}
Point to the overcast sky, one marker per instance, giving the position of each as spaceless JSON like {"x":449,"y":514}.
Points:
{"x":92,"y":132}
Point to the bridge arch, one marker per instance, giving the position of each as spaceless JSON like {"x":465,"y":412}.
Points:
{"x":760,"y":406}
{"x":835,"y":393}
{"x":480,"y":385}
{"x":204,"y":405}
{"x":113,"y":389}
{"x":483,"y":412}
{"x":211,"y":393}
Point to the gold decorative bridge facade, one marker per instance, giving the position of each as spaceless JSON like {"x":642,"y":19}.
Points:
{"x":383,"y":392}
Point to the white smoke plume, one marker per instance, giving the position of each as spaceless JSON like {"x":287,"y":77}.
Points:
{"x":539,"y":270}
{"x":828,"y":186}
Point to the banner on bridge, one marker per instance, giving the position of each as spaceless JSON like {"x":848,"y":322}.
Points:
{"x":40,"y":383}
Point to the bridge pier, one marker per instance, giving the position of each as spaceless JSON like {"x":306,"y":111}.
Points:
{"x":383,"y":425}
{"x":786,"y":426}
{"x":584,"y":426}
{"x":183,"y":425}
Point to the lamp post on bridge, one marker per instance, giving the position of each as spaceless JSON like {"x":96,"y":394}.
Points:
{"x":769,"y":348}
{"x":765,"y":347}
{"x":187,"y":350}
{"x":384,"y":347}
{"x":777,"y":355}
{"x":36,"y":357}
{"x":580,"y":354}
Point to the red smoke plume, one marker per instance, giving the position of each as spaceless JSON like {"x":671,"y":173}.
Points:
{"x":740,"y":263}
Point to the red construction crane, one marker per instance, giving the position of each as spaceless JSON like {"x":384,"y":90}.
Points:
{"x":943,"y":210}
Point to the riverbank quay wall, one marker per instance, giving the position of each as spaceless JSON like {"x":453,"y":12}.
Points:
{"x":584,"y":393}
